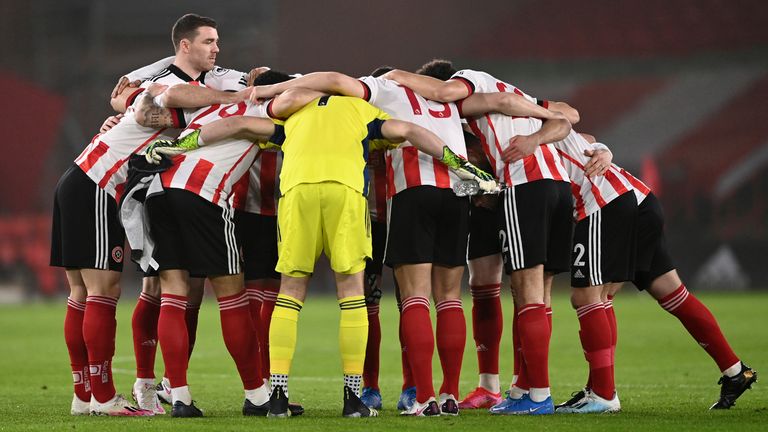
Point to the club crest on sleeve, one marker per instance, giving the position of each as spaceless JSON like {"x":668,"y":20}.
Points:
{"x":219,"y":71}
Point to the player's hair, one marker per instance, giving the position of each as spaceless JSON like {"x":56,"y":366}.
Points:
{"x":271,"y":77}
{"x":381,"y":70}
{"x":437,"y":68}
{"x":186,"y":27}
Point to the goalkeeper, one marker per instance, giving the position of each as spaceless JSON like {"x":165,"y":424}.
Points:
{"x":323,"y":209}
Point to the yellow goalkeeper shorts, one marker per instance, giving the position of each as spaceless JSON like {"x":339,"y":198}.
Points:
{"x":322,"y":217}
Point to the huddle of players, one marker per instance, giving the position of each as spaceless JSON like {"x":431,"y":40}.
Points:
{"x":189,"y":205}
{"x":426,"y":244}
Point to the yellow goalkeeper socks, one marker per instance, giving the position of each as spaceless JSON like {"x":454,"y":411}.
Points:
{"x":353,"y":334}
{"x":282,"y":334}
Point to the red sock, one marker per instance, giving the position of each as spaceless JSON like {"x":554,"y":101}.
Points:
{"x":418,"y":336}
{"x":406,"y":367}
{"x":534,"y":342}
{"x":191,"y":314}
{"x":487,"y":325}
{"x":240,"y":338}
{"x":451,"y":330}
{"x":548,"y":310}
{"x":255,"y":296}
{"x":173,"y":338}
{"x":519,"y":365}
{"x":78,"y":353}
{"x":371,"y":366}
{"x":596,"y":341}
{"x":267,"y":307}
{"x":144,"y":325}
{"x":609,"y":312}
{"x":700,"y":323}
{"x":99,"y":327}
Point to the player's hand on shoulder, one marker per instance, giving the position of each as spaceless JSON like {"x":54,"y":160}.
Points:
{"x":599,"y":162}
{"x":110,"y":122}
{"x":122,"y":84}
{"x":254,"y":73}
{"x":519,"y":147}
{"x":156,"y":89}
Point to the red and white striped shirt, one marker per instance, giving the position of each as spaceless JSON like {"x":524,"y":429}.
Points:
{"x":590,"y":194}
{"x":641,"y":189}
{"x":213,"y":171}
{"x":259,"y":190}
{"x":377,"y":191}
{"x":495,"y":130}
{"x":406,"y":166}
{"x":105,"y":159}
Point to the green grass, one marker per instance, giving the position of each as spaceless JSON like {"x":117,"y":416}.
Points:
{"x":664,"y":379}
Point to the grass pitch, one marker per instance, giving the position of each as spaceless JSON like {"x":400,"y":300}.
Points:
{"x":665,"y":381}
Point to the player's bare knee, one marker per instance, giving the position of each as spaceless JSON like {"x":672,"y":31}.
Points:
{"x":77,"y":291}
{"x":485,"y":270}
{"x":665,"y":284}
{"x":227,"y":285}
{"x":443,"y":293}
{"x":585,"y":296}
{"x":295,"y":287}
{"x":151,"y":285}
{"x":611,"y":290}
{"x":175,"y":282}
{"x":104,"y":283}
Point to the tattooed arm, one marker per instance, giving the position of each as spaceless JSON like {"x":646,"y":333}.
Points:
{"x":149,"y":114}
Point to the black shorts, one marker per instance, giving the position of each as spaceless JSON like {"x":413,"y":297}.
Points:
{"x":653,"y":259}
{"x":427,"y":225}
{"x":86,"y":232}
{"x":537,"y":226}
{"x":483,"y":232}
{"x":604,"y":244}
{"x":193,"y":234}
{"x":258,"y":236}
{"x":375,"y":265}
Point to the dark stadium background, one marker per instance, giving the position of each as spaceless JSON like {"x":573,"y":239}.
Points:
{"x":678,"y":90}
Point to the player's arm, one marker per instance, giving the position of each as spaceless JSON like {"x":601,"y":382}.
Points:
{"x":148,"y":113}
{"x":397,"y":131}
{"x":249,"y":128}
{"x":154,"y":107}
{"x":291,"y":101}
{"x":255,"y":129}
{"x":193,"y":96}
{"x":568,"y":111}
{"x":520,"y":146}
{"x":430,"y":88}
{"x":510,"y":104}
{"x":132,"y":80}
{"x":326,"y":82}
{"x":122,"y":100}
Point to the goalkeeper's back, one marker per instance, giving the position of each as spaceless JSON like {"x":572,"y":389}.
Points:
{"x":329,"y":140}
